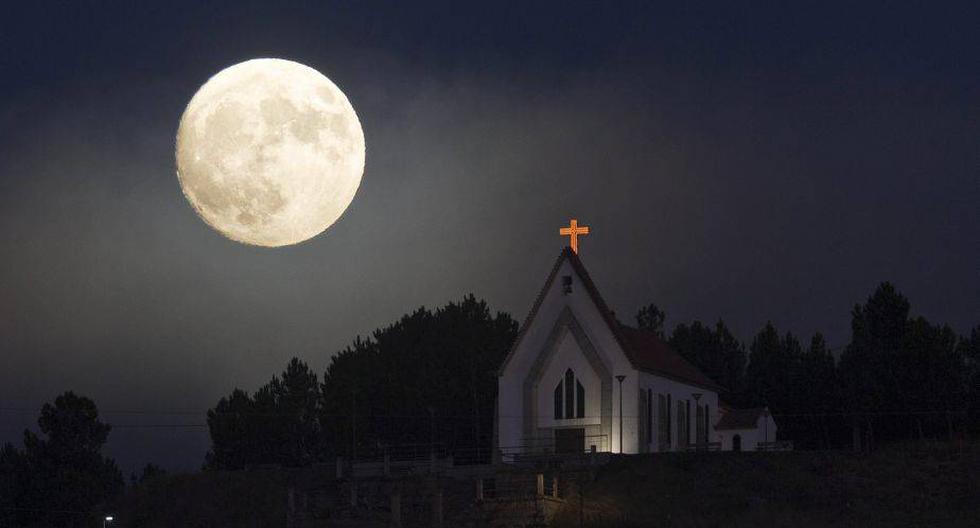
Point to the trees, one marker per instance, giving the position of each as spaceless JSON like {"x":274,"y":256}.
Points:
{"x":431,"y":373}
{"x":715,"y":351}
{"x":12,"y":474}
{"x":868,"y":364}
{"x":150,"y":471}
{"x":818,"y":397}
{"x":60,"y":477}
{"x":773,"y":370}
{"x":277,"y":426}
{"x":800,"y":388}
{"x":969,"y":350}
{"x":901,"y":376}
{"x":651,"y":318}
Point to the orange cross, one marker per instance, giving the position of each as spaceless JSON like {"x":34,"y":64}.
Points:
{"x":572,"y":232}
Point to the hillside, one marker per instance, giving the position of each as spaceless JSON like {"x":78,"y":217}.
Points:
{"x":902,"y":486}
{"x":930,"y":485}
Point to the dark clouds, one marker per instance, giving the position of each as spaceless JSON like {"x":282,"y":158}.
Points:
{"x":749,"y":166}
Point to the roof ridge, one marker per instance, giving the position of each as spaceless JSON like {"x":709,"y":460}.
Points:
{"x":608,"y":316}
{"x":534,"y":309}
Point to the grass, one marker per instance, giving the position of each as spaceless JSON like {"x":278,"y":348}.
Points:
{"x":924,"y":485}
{"x":208,"y":499}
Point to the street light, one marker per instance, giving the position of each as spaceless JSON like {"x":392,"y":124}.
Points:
{"x":620,"y":377}
{"x":106,"y":521}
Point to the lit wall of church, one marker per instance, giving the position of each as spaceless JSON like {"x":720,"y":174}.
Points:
{"x":572,"y":413}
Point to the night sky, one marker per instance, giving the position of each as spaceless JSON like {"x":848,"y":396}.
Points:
{"x":738,"y":162}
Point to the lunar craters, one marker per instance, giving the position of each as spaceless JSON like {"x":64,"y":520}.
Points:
{"x":270,"y":154}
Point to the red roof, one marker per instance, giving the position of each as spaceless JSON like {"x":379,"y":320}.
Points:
{"x":644,"y":349}
{"x":740,"y":419}
{"x":650,"y":354}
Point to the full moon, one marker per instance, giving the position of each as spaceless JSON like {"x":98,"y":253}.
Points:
{"x":269,"y":152}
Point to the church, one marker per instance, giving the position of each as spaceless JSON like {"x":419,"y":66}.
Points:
{"x":579,"y":380}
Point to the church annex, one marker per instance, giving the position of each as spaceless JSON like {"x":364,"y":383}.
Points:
{"x":577,"y":380}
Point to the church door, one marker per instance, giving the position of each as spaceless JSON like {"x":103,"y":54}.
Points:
{"x":570,"y":440}
{"x":737,"y":443}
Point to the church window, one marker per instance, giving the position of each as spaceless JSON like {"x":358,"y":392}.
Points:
{"x":699,"y":425}
{"x":569,"y":397}
{"x":569,"y":394}
{"x":663,"y":423}
{"x":682,"y":430}
{"x":649,"y":416}
{"x":566,"y":284}
{"x":558,"y":401}
{"x":687,"y":421}
{"x":707,"y":422}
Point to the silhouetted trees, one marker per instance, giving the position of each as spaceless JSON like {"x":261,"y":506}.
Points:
{"x":651,"y":318}
{"x":969,"y":348}
{"x":773,"y":370}
{"x":715,"y":351}
{"x":900,"y":377}
{"x":278,"y":425}
{"x":59,"y":478}
{"x":818,"y":400}
{"x":150,"y":471}
{"x":430,"y":376}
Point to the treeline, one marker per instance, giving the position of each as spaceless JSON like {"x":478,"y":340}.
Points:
{"x":431,"y":376}
{"x":59,"y":478}
{"x":900,"y":377}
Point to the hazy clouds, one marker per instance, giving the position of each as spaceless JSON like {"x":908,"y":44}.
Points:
{"x":779,"y":190}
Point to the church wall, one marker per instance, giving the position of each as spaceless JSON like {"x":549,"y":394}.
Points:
{"x":678,"y":391}
{"x":511,"y":412}
{"x":569,"y":356}
{"x":526,"y":386}
{"x":631,"y":410}
{"x":750,"y":437}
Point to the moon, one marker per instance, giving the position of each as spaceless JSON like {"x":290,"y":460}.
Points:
{"x":269,"y":152}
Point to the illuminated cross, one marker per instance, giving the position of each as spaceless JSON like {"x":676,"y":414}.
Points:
{"x":572,"y":232}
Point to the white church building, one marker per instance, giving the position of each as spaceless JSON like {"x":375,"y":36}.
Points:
{"x":576,"y":380}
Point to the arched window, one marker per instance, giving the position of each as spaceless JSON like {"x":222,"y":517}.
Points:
{"x":558,"y":402}
{"x":569,"y":394}
{"x":569,"y":397}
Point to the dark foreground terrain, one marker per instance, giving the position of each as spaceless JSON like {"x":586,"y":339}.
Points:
{"x":926,"y":485}
{"x":912,"y":485}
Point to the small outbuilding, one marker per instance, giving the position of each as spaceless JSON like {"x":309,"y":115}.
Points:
{"x":747,"y":430}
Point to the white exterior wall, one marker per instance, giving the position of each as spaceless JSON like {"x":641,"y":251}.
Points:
{"x":631,"y":408}
{"x":678,"y":391}
{"x":569,"y":356}
{"x":750,"y":437}
{"x":510,"y":386}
